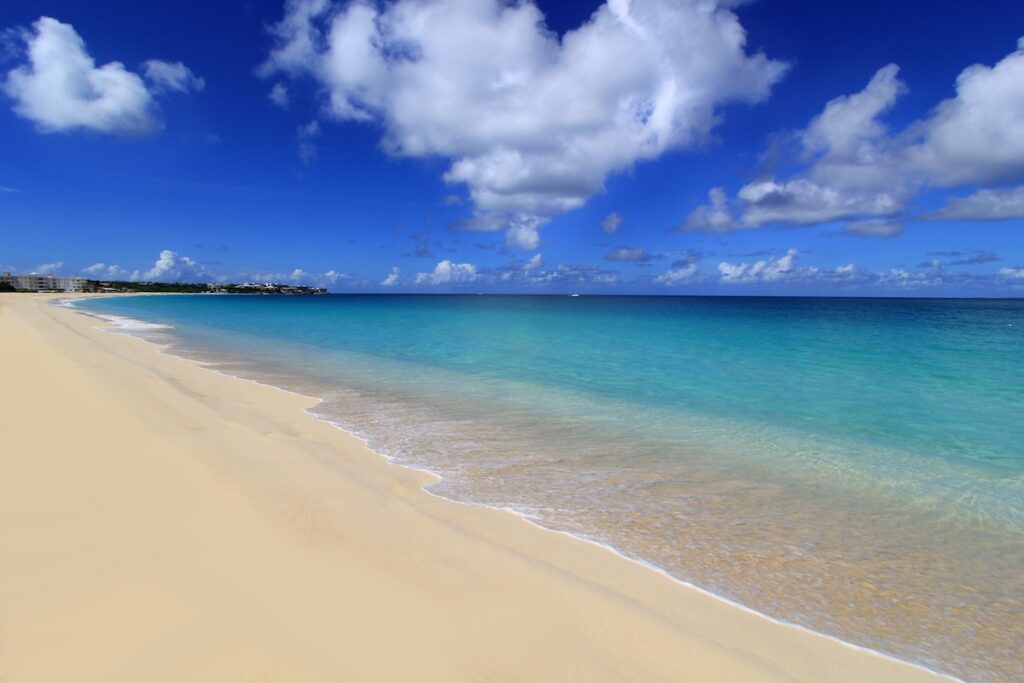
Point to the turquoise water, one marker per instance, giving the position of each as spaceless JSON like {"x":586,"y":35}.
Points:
{"x":852,"y":465}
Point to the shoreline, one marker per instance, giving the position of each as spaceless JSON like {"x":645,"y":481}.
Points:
{"x":125,"y":325}
{"x":748,"y":661}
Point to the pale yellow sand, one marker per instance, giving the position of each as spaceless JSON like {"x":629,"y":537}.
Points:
{"x":162,"y":522}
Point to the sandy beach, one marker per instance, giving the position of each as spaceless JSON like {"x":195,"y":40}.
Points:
{"x":163,"y":522}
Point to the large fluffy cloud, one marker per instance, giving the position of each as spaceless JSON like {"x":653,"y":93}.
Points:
{"x":855,"y":168}
{"x":978,"y":136}
{"x":173,"y":267}
{"x":168,"y":267}
{"x":853,"y":173}
{"x":60,"y":88}
{"x":531,"y":123}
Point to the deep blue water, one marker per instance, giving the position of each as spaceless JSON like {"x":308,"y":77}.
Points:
{"x":854,"y":465}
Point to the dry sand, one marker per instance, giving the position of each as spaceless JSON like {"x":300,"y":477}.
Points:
{"x":162,"y":522}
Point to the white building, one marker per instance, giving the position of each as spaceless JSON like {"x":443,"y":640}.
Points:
{"x":43,"y":283}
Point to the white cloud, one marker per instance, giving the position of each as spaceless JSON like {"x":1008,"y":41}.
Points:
{"x":857,"y":169}
{"x":393,"y":278}
{"x":447,"y":272}
{"x":49,"y":268}
{"x":786,"y":271}
{"x":8,"y":190}
{"x":627,"y":254}
{"x":333,"y":277}
{"x":806,"y":202}
{"x":279,"y":95}
{"x":683,"y":270}
{"x":171,"y":76}
{"x":1012,"y":273}
{"x":984,"y":205}
{"x":875,"y":227}
{"x":532,"y":124}
{"x":677,"y":276}
{"x":976,"y":137}
{"x":61,"y":88}
{"x":714,"y":216}
{"x":522,"y":234}
{"x":765,"y":270}
{"x":930,"y":276}
{"x":611,"y":223}
{"x":172,"y":267}
{"x":852,"y":173}
{"x":103,"y":271}
{"x":534,"y":263}
{"x":298,"y":276}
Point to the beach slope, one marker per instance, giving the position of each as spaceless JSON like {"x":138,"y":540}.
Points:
{"x":162,"y":522}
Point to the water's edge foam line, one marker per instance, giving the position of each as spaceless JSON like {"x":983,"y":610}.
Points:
{"x":128,"y":326}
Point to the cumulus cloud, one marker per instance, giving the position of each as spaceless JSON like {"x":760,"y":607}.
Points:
{"x":786,"y":271}
{"x":984,"y":205}
{"x":805,"y":202}
{"x":104,"y":271}
{"x":627,"y":254}
{"x":333,"y":277}
{"x":446,"y":272}
{"x":682,"y":271}
{"x":876,"y":227}
{"x":60,"y":88}
{"x":523,"y":234}
{"x":851,"y":172}
{"x":714,"y":216}
{"x":570,"y":274}
{"x":534,"y":263}
{"x":856,"y":168}
{"x":1011,"y":273}
{"x":48,"y":268}
{"x":279,"y":95}
{"x":765,"y":270}
{"x":393,"y":278}
{"x":977,"y":136}
{"x":173,"y":267}
{"x":531,"y":123}
{"x":611,"y":223}
{"x":171,"y":77}
{"x":298,"y":276}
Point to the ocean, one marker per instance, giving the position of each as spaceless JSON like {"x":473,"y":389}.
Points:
{"x":854,"y":466}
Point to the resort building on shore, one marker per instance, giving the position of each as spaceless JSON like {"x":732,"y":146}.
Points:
{"x":43,"y":283}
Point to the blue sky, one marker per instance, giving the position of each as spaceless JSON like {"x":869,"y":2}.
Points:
{"x":652,"y":146}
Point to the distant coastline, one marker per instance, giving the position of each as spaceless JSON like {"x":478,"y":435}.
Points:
{"x":36,"y":282}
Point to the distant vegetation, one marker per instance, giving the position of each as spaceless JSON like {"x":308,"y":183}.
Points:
{"x":201,"y":287}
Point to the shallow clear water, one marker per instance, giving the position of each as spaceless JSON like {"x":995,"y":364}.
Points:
{"x":852,"y":465}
